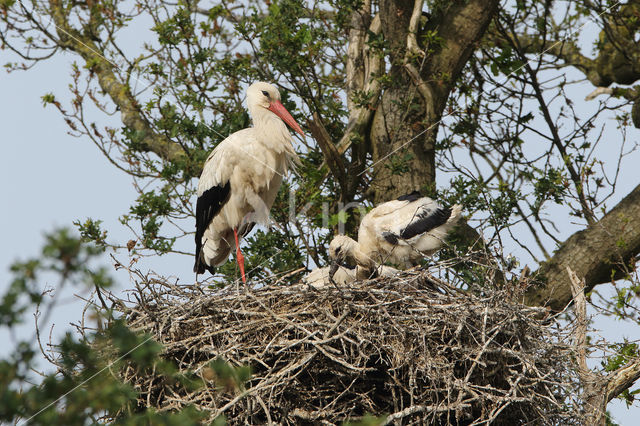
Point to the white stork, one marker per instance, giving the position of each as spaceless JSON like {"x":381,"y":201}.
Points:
{"x":342,"y":275}
{"x":241,"y":178}
{"x":400,"y":231}
{"x":321,"y":277}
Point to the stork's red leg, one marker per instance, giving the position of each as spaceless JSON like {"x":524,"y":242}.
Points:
{"x":239,"y":255}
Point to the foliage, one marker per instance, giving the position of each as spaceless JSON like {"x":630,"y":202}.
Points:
{"x":85,"y":386}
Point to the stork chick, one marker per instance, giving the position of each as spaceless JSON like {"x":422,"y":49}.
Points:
{"x":342,"y":275}
{"x":401,"y":232}
{"x":321,"y":277}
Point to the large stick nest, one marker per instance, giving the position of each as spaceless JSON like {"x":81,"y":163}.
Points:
{"x":406,"y":348}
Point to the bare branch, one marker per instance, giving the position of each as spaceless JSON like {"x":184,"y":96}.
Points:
{"x":361,"y":115}
{"x":599,"y":253}
{"x":119,"y":93}
{"x":622,"y":379}
{"x":580,"y":332}
{"x":412,"y":43}
{"x":331,"y":155}
{"x":599,"y":91}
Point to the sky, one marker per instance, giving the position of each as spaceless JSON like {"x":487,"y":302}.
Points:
{"x":50,"y":179}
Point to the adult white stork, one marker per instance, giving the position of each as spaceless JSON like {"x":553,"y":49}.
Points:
{"x":400,"y":231}
{"x":241,"y":178}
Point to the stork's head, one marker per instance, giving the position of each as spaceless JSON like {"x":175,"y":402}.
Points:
{"x":263,"y":96}
{"x":341,"y":253}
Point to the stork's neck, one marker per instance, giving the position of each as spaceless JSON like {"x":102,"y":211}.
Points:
{"x":270,"y":126}
{"x":361,"y":258}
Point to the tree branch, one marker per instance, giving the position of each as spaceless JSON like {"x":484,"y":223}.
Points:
{"x":617,"y":49}
{"x":363,"y":68}
{"x":119,"y":93}
{"x":355,"y":66}
{"x":580,"y":332}
{"x":622,"y":379}
{"x":576,"y":177}
{"x":461,"y":27}
{"x":566,"y":50}
{"x":331,"y":155}
{"x":593,"y":383}
{"x":600,"y":253}
{"x":412,"y":42}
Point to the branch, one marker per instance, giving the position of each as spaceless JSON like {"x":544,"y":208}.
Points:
{"x":412,"y":42}
{"x":413,"y":51}
{"x":617,"y":48}
{"x":360,"y":57}
{"x":120,"y":94}
{"x":617,"y":381}
{"x":363,"y":68}
{"x":331,"y":155}
{"x":460,"y":27}
{"x":580,"y":332}
{"x":600,"y":253}
{"x":553,"y":128}
{"x":622,"y":379}
{"x":355,"y":66}
{"x":566,"y":50}
{"x":409,"y":411}
{"x":629,"y":93}
{"x":599,"y":91}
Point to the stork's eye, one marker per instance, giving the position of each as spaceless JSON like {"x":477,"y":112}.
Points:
{"x":264,"y":92}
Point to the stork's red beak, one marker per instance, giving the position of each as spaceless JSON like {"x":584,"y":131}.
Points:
{"x":278,"y":109}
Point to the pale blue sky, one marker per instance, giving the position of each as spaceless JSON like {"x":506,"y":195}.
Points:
{"x":50,"y":179}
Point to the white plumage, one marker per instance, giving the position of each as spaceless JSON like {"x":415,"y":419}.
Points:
{"x":400,"y":231}
{"x":320,"y":277}
{"x":241,"y":177}
{"x":342,"y":275}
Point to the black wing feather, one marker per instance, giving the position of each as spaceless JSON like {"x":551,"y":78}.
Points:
{"x":208,"y":206}
{"x":390,"y":237}
{"x":415,"y":195}
{"x":425,"y":222}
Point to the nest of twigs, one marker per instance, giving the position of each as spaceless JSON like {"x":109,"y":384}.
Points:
{"x":406,"y":348}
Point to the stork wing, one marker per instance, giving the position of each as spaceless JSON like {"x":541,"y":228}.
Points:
{"x":413,"y":220}
{"x":208,"y":206}
{"x":245,"y":228}
{"x":425,"y":221}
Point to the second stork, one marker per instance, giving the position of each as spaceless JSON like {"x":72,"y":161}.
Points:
{"x":401,"y":232}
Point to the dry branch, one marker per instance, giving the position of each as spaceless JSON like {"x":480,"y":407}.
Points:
{"x":599,"y":253}
{"x":597,"y":389}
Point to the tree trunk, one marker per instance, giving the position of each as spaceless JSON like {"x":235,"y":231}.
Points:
{"x":419,"y":83}
{"x":403,"y":153}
